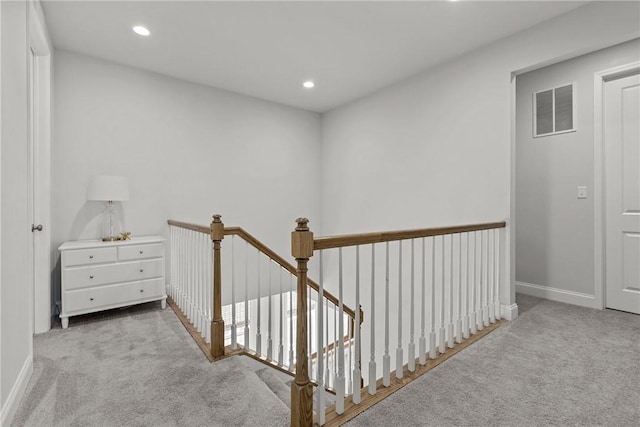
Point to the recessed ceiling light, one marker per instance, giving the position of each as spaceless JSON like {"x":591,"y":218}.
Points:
{"x":143,"y":31}
{"x":308,"y":84}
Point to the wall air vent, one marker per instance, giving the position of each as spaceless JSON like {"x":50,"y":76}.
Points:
{"x":554,"y":110}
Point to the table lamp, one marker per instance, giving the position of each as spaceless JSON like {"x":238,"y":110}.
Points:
{"x":109,"y":189}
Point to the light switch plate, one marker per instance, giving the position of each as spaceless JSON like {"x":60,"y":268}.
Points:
{"x":582,"y":192}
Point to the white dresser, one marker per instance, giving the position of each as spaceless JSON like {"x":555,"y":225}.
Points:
{"x":99,"y":275}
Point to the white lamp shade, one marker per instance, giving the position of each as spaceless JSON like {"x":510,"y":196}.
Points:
{"x":108,"y":188}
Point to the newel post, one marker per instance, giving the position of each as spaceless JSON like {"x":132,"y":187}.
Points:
{"x":217,"y":325}
{"x":301,"y":387}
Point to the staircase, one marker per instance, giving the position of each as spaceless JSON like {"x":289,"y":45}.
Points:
{"x":429,"y":292}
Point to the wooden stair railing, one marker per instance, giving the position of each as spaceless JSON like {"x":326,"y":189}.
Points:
{"x":217,"y":232}
{"x":477,"y":298}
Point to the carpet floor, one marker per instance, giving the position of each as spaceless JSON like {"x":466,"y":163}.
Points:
{"x":140,"y":367}
{"x":556,"y":364}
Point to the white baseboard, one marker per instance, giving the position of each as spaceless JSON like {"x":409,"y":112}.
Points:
{"x":555,"y":294}
{"x":509,"y":312}
{"x":10,"y":407}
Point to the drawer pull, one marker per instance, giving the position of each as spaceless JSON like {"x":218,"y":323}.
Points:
{"x":91,"y":276}
{"x":91,"y":299}
{"x":141,"y":252}
{"x":141,"y":270}
{"x":90,"y":256}
{"x":141,"y":290}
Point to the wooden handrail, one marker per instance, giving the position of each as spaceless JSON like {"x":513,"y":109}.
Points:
{"x":239,"y":231}
{"x":282,"y":263}
{"x":330,"y":242}
{"x":206,"y":229}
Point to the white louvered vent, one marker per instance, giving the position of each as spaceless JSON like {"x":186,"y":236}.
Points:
{"x":554,"y":110}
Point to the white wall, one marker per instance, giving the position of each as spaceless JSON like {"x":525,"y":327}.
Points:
{"x":15,"y":334}
{"x":189,"y":151}
{"x":555,"y":239}
{"x":436,"y":149}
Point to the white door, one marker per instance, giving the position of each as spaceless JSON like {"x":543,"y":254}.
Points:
{"x":39,"y":170}
{"x":621,"y":127}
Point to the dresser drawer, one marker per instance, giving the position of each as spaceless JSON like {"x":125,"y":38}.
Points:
{"x":112,"y":295}
{"x":127,"y":253}
{"x":147,"y":289}
{"x":89,"y":256}
{"x":90,"y":276}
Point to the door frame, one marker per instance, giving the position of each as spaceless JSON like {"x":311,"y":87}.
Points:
{"x":599,"y":79}
{"x":40,"y":178}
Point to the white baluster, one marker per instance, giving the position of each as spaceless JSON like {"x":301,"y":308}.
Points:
{"x":172,"y":254}
{"x":259,"y":315}
{"x":474,"y":285}
{"x":327,"y":372}
{"x":246,"y":295}
{"x":178,"y":296}
{"x":496,"y":295}
{"x":320,"y":407}
{"x":185,"y":274}
{"x":234,"y":332}
{"x":386,"y":360}
{"x":459,"y":294}
{"x":207,"y":256}
{"x":442,"y":332}
{"x":179,"y":281}
{"x":411,"y":357}
{"x":480,"y":302}
{"x":190,"y":281}
{"x":195,"y":279}
{"x":291,"y":361}
{"x":310,"y":334}
{"x":451,"y":341}
{"x":281,"y":327}
{"x":201,"y":285}
{"x":372,"y":351}
{"x":269,"y":340}
{"x":465,"y":322}
{"x":485,"y":284}
{"x":490,"y":283}
{"x":340,"y":383}
{"x":356,"y":331}
{"x":432,"y":334}
{"x":198,"y":283}
{"x":349,"y":371}
{"x":335,"y":346}
{"x":423,"y":340}
{"x":399,"y":355}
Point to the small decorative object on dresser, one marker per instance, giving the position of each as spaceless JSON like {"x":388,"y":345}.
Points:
{"x":99,"y":275}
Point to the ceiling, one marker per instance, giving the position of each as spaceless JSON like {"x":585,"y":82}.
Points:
{"x":267,"y":49}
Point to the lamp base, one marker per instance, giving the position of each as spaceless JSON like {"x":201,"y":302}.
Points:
{"x":111,"y":239}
